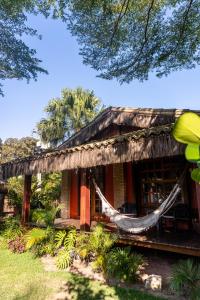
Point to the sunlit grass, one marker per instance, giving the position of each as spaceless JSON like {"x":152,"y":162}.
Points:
{"x":22,"y":277}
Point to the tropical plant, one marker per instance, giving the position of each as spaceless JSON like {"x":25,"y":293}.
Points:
{"x":122,"y":264}
{"x":35,"y":236}
{"x":46,"y":191}
{"x":67,"y":253}
{"x":60,"y":238}
{"x":46,"y":245}
{"x":94,"y":246}
{"x":187,"y":131}
{"x":45,"y":216}
{"x":68,"y":114}
{"x":12,"y":228}
{"x":186,"y":279}
{"x":17,"y":245}
{"x":64,"y":259}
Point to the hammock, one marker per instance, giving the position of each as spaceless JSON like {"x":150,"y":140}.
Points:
{"x":137,"y":225}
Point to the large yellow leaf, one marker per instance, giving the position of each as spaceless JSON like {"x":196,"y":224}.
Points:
{"x":187,"y":129}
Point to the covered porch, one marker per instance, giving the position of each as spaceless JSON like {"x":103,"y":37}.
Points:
{"x":177,"y":242}
{"x":134,"y":171}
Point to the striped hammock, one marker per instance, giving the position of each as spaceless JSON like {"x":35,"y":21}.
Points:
{"x":137,"y":225}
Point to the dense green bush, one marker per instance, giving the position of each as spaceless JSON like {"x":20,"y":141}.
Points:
{"x":12,"y":228}
{"x":41,"y":241}
{"x":44,"y":193}
{"x":45,"y":216}
{"x":186,"y":279}
{"x":94,"y":246}
{"x":122,"y":264}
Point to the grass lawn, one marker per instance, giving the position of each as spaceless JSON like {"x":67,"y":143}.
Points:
{"x":22,"y":277}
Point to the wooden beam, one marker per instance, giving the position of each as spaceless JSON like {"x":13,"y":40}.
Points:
{"x":197,"y":188}
{"x":65,"y":195}
{"x":109,"y":188}
{"x":160,"y":246}
{"x":74,"y":194}
{"x":84,"y":202}
{"x":26,"y":199}
{"x":129,"y":183}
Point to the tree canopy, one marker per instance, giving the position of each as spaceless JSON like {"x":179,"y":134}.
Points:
{"x":122,"y":39}
{"x":13,"y":148}
{"x":128,"y":39}
{"x":68,"y":114}
{"x":17,"y":60}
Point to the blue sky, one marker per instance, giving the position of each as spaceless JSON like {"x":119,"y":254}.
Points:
{"x":23,"y":103}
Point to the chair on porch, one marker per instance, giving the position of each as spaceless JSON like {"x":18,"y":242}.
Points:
{"x":177,"y":218}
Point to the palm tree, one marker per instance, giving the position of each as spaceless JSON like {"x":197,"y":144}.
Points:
{"x":68,"y":114}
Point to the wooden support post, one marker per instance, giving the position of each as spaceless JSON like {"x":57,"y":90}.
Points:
{"x":84,"y":202}
{"x":109,"y":189}
{"x":129,"y":184}
{"x":197,"y":185}
{"x":26,"y":199}
{"x":65,"y":195}
{"x":74,"y":194}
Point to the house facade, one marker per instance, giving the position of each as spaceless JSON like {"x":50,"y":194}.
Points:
{"x":134,"y":159}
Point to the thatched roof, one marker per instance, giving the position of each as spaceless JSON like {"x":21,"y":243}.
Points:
{"x":138,"y":145}
{"x":135,"y":118}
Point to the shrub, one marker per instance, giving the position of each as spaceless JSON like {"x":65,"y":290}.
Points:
{"x":45,"y":245}
{"x":94,"y":246}
{"x":17,"y":245}
{"x":122,"y":264}
{"x":45,"y":216}
{"x":12,"y":228}
{"x":186,"y":279}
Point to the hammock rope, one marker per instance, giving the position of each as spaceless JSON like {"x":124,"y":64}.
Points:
{"x":138,"y":225}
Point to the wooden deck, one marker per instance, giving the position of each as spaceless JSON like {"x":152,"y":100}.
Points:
{"x":185,"y":242}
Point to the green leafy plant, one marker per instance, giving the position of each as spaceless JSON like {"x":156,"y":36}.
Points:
{"x":45,"y":216}
{"x":94,"y":246}
{"x":60,"y":238}
{"x":46,"y":245}
{"x":186,"y":279}
{"x":67,"y":253}
{"x":64,"y":259}
{"x":35,"y":236}
{"x":122,"y":264}
{"x":12,"y":228}
{"x":187,"y":131}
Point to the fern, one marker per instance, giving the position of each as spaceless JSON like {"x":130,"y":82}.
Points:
{"x":186,"y":278}
{"x":35,"y":236}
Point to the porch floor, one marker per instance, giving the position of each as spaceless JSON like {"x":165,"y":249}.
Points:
{"x":184,"y":242}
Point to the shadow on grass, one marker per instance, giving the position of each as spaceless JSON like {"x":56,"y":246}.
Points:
{"x":80,"y":288}
{"x":32,"y":292}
